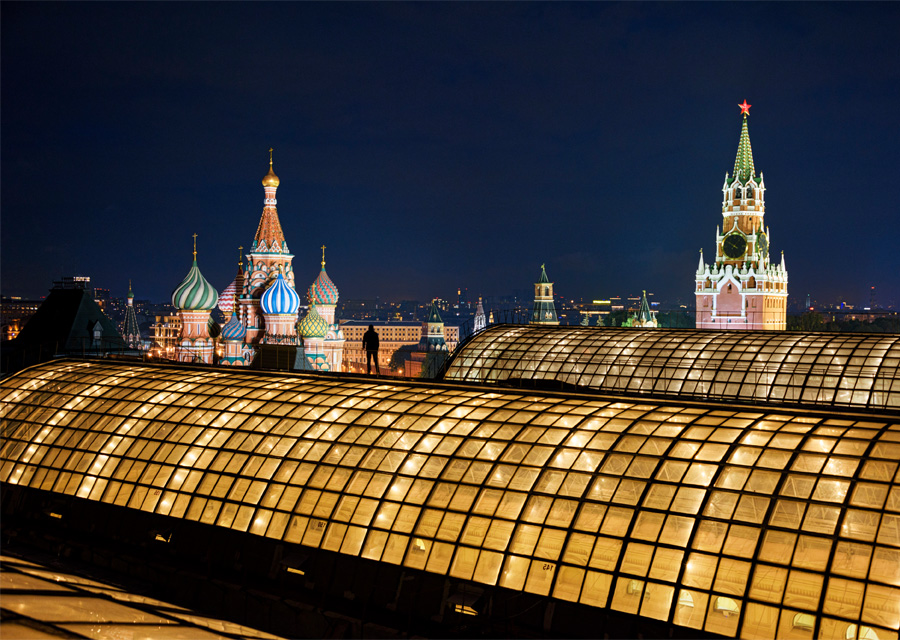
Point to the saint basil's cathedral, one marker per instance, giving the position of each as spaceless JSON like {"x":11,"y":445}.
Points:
{"x":260,"y":305}
{"x":742,"y":288}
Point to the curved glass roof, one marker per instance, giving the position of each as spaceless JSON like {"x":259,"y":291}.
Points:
{"x":730,"y":520}
{"x":827,"y":369}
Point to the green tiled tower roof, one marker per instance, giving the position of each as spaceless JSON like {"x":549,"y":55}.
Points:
{"x":743,"y":162}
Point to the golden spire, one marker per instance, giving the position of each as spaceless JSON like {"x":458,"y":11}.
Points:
{"x":240,"y":257}
{"x":195,"y":246}
{"x":323,"y":256}
{"x":271,"y":180}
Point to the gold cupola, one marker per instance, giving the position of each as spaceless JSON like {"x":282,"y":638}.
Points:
{"x":270,"y":180}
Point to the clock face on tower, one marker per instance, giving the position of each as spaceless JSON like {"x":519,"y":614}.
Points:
{"x":762,"y":244}
{"x":734,"y":246}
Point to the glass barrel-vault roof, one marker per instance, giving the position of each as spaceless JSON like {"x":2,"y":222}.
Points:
{"x":733,"y":520}
{"x":840,"y":369}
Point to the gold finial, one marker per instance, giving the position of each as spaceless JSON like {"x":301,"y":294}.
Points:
{"x":270,"y":179}
{"x":195,"y":246}
{"x":240,"y":256}
{"x":323,"y":256}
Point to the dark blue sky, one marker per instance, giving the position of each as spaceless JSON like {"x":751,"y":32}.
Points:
{"x":432,"y":146}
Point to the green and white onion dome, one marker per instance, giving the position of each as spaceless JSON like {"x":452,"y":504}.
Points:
{"x":234,"y":330}
{"x":313,"y":325}
{"x":280,"y":298}
{"x":194,"y":293}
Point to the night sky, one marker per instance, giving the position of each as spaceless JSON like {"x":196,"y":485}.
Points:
{"x":436,"y":146}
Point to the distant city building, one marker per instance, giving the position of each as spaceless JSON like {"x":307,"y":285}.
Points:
{"x":15,"y":312}
{"x":644,"y":317}
{"x":392,"y":336}
{"x":68,"y":322}
{"x":164,"y":334}
{"x":73,"y":282}
{"x":131,"y":333}
{"x":594,"y":312}
{"x":742,"y":289}
{"x":543,"y":311}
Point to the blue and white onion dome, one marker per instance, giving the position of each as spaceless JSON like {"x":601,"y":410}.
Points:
{"x":234,"y":330}
{"x":280,"y":298}
{"x":313,"y":325}
{"x":195,"y":293}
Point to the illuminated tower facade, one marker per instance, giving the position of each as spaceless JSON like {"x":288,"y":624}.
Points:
{"x":194,"y":299}
{"x":268,"y":257}
{"x":543,"y":311}
{"x":480,"y":320}
{"x":323,"y":296}
{"x":130,"y":331}
{"x":742,"y":289}
{"x":434,"y":335}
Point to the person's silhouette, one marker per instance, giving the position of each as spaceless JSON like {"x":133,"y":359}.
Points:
{"x":370,"y":344}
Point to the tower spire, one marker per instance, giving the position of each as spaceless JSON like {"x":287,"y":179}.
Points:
{"x":743,"y":162}
{"x":269,"y":236}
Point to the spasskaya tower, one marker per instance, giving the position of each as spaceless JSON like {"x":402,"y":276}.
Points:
{"x":742,"y":289}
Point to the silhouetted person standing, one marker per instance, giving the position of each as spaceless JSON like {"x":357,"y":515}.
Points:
{"x":370,"y":344}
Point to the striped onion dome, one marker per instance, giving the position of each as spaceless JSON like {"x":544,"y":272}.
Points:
{"x":313,"y":325}
{"x":233,"y":330}
{"x":194,"y":293}
{"x":323,"y":291}
{"x":226,"y":298}
{"x":280,"y":298}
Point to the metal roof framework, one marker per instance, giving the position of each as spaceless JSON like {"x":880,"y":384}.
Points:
{"x":735,"y":520}
{"x":818,"y":369}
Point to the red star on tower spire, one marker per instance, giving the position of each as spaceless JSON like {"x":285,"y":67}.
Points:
{"x":745,"y":108}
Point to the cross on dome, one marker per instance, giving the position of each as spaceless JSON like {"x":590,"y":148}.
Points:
{"x":323,"y":256}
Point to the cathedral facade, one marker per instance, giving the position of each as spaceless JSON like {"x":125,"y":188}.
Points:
{"x":742,"y":288}
{"x":261,"y":305}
